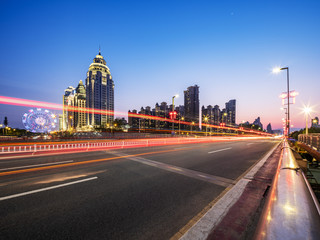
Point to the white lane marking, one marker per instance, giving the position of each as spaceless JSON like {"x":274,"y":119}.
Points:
{"x":183,"y":171}
{"x":224,"y":149}
{"x":46,"y":189}
{"x":36,"y":165}
{"x":249,"y":143}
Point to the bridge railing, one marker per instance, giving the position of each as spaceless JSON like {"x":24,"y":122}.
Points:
{"x":312,"y":140}
{"x":104,"y":145}
{"x":291,"y":210}
{"x":101,"y":145}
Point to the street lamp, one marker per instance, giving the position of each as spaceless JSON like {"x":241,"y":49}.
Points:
{"x":191,"y":126}
{"x":286,"y":113}
{"x":276,"y":70}
{"x":205,"y":119}
{"x":175,"y":96}
{"x":307,"y":111}
{"x":182,"y":118}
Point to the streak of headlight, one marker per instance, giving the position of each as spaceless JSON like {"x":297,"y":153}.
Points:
{"x":38,"y":104}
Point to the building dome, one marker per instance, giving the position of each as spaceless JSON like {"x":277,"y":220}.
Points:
{"x":99,"y":59}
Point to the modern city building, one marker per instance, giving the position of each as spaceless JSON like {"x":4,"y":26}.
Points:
{"x":215,"y":116}
{"x":269,"y":128}
{"x":257,"y":122}
{"x":80,"y":107}
{"x":61,"y":122}
{"x":231,"y":112}
{"x":68,"y":103}
{"x":153,"y":122}
{"x":99,"y":93}
{"x":192,"y":104}
{"x":207,"y":114}
{"x":74,"y":108}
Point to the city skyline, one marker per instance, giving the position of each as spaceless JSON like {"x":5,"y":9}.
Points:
{"x":226,"y":49}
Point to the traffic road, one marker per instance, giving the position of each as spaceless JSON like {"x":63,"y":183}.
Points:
{"x":136,"y":193}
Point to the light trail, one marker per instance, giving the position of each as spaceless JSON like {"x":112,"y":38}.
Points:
{"x":38,"y":104}
{"x":36,"y":165}
{"x":203,"y":140}
{"x":79,"y":163}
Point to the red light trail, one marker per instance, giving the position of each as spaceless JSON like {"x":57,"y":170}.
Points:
{"x":55,"y":106}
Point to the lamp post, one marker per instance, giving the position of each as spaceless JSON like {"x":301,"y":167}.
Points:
{"x":288,"y":97}
{"x":286,"y":112}
{"x":175,"y":96}
{"x":206,"y":121}
{"x":191,"y":126}
{"x":307,"y":111}
{"x":182,"y":118}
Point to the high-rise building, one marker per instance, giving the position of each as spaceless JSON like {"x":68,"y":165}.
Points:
{"x":99,"y":93}
{"x":61,"y":122}
{"x":269,"y":128}
{"x":67,"y":115}
{"x":257,"y":122}
{"x":231,"y":112}
{"x":191,"y":104}
{"x":207,"y":114}
{"x":80,"y":105}
{"x":216,"y":115}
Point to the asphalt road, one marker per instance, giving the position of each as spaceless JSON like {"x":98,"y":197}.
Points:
{"x":138,"y":193}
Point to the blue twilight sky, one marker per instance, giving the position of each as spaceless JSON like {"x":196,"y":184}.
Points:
{"x":156,"y":49}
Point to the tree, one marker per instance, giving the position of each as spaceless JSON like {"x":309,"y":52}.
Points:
{"x":5,"y":122}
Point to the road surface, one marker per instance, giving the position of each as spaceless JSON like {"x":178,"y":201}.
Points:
{"x":137,"y":193}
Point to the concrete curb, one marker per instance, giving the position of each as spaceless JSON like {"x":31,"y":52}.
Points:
{"x":212,"y":218}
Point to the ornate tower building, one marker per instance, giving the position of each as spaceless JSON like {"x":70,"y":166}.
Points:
{"x":99,"y":93}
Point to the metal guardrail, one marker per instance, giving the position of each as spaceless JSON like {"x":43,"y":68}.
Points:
{"x":291,"y":210}
{"x":99,"y":145}
{"x":312,"y":140}
{"x":110,"y":144}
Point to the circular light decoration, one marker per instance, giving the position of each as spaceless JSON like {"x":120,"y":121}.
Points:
{"x":39,"y":120}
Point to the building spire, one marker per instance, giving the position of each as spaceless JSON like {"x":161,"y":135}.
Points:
{"x":99,"y":50}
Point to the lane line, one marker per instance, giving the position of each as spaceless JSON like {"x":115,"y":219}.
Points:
{"x":249,"y":143}
{"x":224,"y":149}
{"x":36,"y":165}
{"x":221,"y":181}
{"x":182,"y":147}
{"x":46,"y":189}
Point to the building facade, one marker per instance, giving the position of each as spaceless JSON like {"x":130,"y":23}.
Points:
{"x":68,"y":103}
{"x":231,"y":112}
{"x":192,"y":104}
{"x":80,"y":120}
{"x":99,"y":94}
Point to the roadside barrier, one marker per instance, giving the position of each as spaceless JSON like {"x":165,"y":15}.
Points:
{"x":291,"y":210}
{"x":97,"y":145}
{"x":113,"y":144}
{"x":312,"y":140}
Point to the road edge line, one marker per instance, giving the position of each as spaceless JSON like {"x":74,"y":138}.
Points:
{"x":203,"y":227}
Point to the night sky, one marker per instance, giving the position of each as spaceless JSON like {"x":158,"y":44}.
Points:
{"x":156,"y":49}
